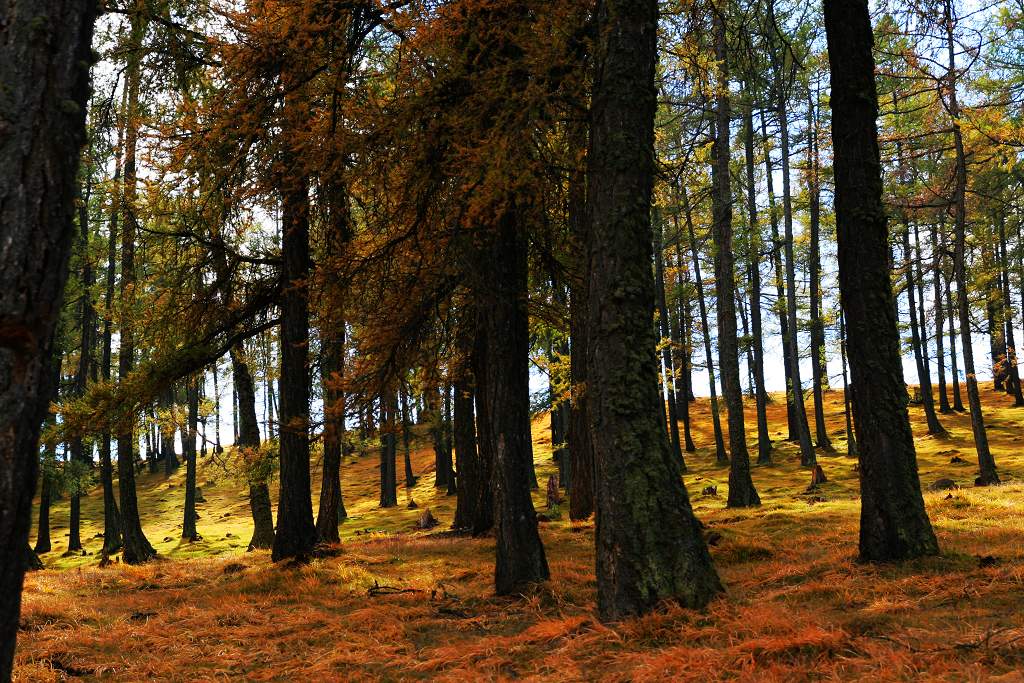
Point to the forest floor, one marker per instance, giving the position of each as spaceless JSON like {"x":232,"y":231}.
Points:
{"x":797,"y":607}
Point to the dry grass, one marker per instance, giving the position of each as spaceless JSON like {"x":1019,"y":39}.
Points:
{"x":798,"y":606}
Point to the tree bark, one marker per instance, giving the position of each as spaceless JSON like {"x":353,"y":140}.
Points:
{"x":188,"y":527}
{"x":668,"y":374}
{"x":44,"y":64}
{"x":649,"y":544}
{"x":388,"y":450}
{"x":894,"y":524}
{"x":819,"y":370}
{"x":923,"y":375}
{"x":249,"y":439}
{"x":937,"y":305}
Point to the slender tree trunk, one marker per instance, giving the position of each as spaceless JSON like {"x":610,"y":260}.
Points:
{"x":410,"y":478}
{"x":649,"y":544}
{"x":720,"y":454}
{"x":851,"y":438}
{"x":249,"y":442}
{"x":819,"y":370}
{"x":188,"y":443}
{"x":986,"y":463}
{"x":1012,"y":373}
{"x":666,"y":351}
{"x":111,"y":513}
{"x":388,"y":450}
{"x":471,"y":489}
{"x":43,"y":544}
{"x":958,"y":404}
{"x":741,"y":488}
{"x":923,"y":376}
{"x":940,"y":351}
{"x":780,"y":287}
{"x":894,"y":524}
{"x":136,"y":547}
{"x":764,"y":442}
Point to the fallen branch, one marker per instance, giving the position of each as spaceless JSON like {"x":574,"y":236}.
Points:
{"x":378,"y":589}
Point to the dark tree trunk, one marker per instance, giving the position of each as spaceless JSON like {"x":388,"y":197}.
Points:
{"x":43,"y":535}
{"x":438,"y":435}
{"x":249,"y":439}
{"x":1012,"y":373}
{"x":446,"y":425}
{"x":720,"y":454}
{"x":388,"y":450}
{"x":472,"y":488}
{"x":668,"y":373}
{"x":332,"y":507}
{"x":683,"y":341}
{"x":986,"y":463}
{"x":581,"y":448}
{"x":136,"y":547}
{"x":410,"y":478}
{"x":780,"y":288}
{"x":45,"y":83}
{"x":111,"y":514}
{"x":958,"y":403}
{"x":649,"y":544}
{"x":819,"y":370}
{"x":741,"y":488}
{"x":894,"y":524}
{"x":505,"y":390}
{"x":188,"y":443}
{"x":296,"y":531}
{"x":764,"y":442}
{"x":851,"y":438}
{"x":937,"y":303}
{"x":923,"y":375}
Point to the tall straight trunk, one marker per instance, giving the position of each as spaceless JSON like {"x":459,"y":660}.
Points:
{"x":44,"y":68}
{"x":448,"y":439}
{"x":331,"y":508}
{"x":168,"y":455}
{"x":43,"y":544}
{"x":560,"y":402}
{"x":986,"y":463}
{"x":819,"y":370}
{"x":741,"y":487}
{"x":249,"y":440}
{"x":720,"y":454}
{"x":388,"y":450}
{"x":649,"y":544}
{"x":893,"y":524}
{"x":136,"y":547}
{"x":296,"y":531}
{"x":851,"y":437}
{"x":668,"y":371}
{"x":439,"y":437}
{"x":958,"y":404}
{"x":188,"y":443}
{"x":994,"y":314}
{"x":684,"y":341}
{"x":923,"y":376}
{"x":1012,"y":373}
{"x":470,"y":487}
{"x":581,"y":448}
{"x":410,"y":478}
{"x":792,"y":347}
{"x":780,"y":287}
{"x":217,"y":448}
{"x":505,"y":390}
{"x":937,"y":305}
{"x":764,"y":441}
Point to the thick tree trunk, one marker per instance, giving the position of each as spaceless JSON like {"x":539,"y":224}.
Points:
{"x":741,"y":487}
{"x":505,"y":391}
{"x":894,"y":524}
{"x":44,"y":61}
{"x":471,"y":488}
{"x":296,"y":531}
{"x":649,"y":544}
{"x":443,"y":474}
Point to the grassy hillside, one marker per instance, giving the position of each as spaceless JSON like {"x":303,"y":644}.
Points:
{"x":798,"y":606}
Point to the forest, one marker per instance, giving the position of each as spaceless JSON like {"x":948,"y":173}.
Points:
{"x":618,"y":340}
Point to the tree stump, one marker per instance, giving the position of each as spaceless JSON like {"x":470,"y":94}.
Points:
{"x":426,"y":520}
{"x":554,"y":496}
{"x":817,"y":477}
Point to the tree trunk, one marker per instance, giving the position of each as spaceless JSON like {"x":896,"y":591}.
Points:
{"x":296,"y":531}
{"x":851,"y":438}
{"x":505,"y":391}
{"x":249,"y":440}
{"x":764,"y":441}
{"x":741,"y":487}
{"x":410,"y":478}
{"x":668,"y":373}
{"x":111,"y":514}
{"x":958,"y":404}
{"x":388,"y":450}
{"x":894,"y":524}
{"x":923,"y":375}
{"x":45,"y":83}
{"x":720,"y":456}
{"x":136,"y":547}
{"x":819,"y":370}
{"x":1012,"y":373}
{"x":986,"y":463}
{"x":188,"y":527}
{"x":471,"y":488}
{"x":940,"y":351}
{"x":649,"y":544}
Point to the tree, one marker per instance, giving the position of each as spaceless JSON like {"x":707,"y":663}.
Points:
{"x":44,"y":62}
{"x":649,"y":545}
{"x":894,"y":524}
